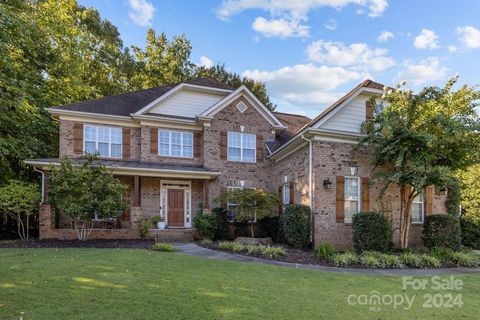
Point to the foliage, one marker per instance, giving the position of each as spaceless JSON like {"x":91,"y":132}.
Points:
{"x":271,"y":252}
{"x":253,"y":249}
{"x":345,"y":259}
{"x":155,"y":219}
{"x":86,"y":191}
{"x":252,"y":204}
{"x":464,"y":259}
{"x":470,"y":200}
{"x":164,"y":247}
{"x":371,"y":231}
{"x":221,"y":218}
{"x":296,"y":225}
{"x":429,"y":261}
{"x":236,"y":246}
{"x":324,"y":251}
{"x":422,"y":140}
{"x":144,"y":224}
{"x":392,"y":261}
{"x":206,"y":242}
{"x":470,"y":232}
{"x":371,"y":261}
{"x":205,"y":224}
{"x":411,"y":259}
{"x":269,"y":227}
{"x":454,"y":197}
{"x":20,"y":201}
{"x":441,"y":230}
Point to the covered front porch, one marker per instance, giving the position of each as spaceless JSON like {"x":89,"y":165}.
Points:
{"x":169,"y":193}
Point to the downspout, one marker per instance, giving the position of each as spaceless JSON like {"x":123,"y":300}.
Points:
{"x":310,"y":184}
{"x":43,"y":183}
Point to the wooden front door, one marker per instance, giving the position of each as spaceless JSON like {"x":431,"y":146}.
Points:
{"x":176,"y":208}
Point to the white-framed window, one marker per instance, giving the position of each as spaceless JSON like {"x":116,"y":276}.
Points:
{"x":352,"y":197}
{"x":242,"y":147}
{"x":105,"y":141}
{"x":175,"y":144}
{"x":286,"y":193}
{"x":418,"y":209}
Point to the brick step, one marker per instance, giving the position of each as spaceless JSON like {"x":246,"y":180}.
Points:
{"x":171,"y":235}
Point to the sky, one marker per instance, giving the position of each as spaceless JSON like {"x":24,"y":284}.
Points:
{"x":311,"y":52}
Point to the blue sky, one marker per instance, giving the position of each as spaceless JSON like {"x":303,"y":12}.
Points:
{"x":310,"y":52}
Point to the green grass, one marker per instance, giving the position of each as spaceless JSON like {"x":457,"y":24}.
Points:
{"x":143,"y":284}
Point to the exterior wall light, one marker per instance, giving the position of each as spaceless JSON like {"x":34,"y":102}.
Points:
{"x":327,"y":184}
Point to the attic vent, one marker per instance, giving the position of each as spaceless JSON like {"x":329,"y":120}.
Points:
{"x":241,"y":107}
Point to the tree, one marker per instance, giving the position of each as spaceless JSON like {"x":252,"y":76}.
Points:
{"x":421,"y":140}
{"x":19,"y":200}
{"x":251,"y":204}
{"x":470,"y":193}
{"x":86,"y":191}
{"x":234,"y":80}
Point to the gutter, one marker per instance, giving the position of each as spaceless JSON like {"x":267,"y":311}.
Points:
{"x":43,"y":183}
{"x":310,"y":185}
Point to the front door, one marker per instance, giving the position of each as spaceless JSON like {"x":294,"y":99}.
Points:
{"x":176,"y":208}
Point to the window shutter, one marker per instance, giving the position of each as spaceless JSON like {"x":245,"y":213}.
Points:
{"x":340,"y":207}
{"x":292,"y":192}
{"x":197,"y":144}
{"x":365,"y":194}
{"x":154,"y":141}
{"x":223,"y":145}
{"x":126,"y":143}
{"x":280,"y":195}
{"x":260,"y":148}
{"x":368,"y":110}
{"x":78,"y":137}
{"x":429,"y":200}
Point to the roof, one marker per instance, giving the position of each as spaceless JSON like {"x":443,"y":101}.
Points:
{"x":130,"y":164}
{"x":294,"y":123}
{"x":126,"y":103}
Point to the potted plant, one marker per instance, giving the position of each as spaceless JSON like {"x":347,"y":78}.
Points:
{"x":159,"y":221}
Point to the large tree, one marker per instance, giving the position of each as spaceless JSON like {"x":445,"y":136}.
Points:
{"x":420,"y":140}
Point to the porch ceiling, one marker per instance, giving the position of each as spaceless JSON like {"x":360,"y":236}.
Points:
{"x":137,"y":168}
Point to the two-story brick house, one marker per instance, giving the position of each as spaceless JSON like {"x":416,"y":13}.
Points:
{"x":178,"y":147}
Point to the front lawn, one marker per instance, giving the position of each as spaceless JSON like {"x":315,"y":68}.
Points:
{"x":141,"y":284}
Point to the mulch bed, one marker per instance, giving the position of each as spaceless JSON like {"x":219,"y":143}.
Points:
{"x":133,"y":244}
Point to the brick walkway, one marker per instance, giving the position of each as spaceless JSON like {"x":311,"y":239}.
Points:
{"x":195,"y":250}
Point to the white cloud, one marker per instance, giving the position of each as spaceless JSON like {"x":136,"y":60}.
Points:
{"x":426,"y":70}
{"x":357,"y":55}
{"x":452,"y":49}
{"x":281,"y":28}
{"x":205,"y":62}
{"x":304,"y":84}
{"x":287,"y":16}
{"x":141,"y":12}
{"x":470,"y":36}
{"x":427,"y":39}
{"x":385,"y":36}
{"x":331,"y":24}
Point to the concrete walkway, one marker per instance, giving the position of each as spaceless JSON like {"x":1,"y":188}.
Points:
{"x":195,"y":250}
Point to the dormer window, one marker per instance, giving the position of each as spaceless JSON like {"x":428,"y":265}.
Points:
{"x":104,"y":141}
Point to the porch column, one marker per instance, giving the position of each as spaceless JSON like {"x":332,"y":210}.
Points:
{"x":206,"y":202}
{"x":46,"y":185}
{"x":136,"y":192}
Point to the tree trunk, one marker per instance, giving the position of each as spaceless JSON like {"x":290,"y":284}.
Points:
{"x":84,"y":230}
{"x":251,"y":228}
{"x":406,"y":199}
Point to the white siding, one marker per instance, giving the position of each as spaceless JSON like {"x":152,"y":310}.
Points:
{"x":187,"y":103}
{"x":349,"y":118}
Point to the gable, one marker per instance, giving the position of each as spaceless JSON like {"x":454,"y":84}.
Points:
{"x":350,"y":117}
{"x":187,"y":103}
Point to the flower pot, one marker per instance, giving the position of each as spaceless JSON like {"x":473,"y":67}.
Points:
{"x":161,"y":225}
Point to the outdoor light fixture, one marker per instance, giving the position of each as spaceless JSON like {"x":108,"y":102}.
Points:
{"x":327,"y":184}
{"x":354,"y":170}
{"x":443,"y":190}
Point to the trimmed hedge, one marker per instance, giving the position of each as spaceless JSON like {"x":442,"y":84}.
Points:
{"x":442,"y":230}
{"x":205,"y":224}
{"x":470,"y":233}
{"x":372,"y":231}
{"x":296,"y":225}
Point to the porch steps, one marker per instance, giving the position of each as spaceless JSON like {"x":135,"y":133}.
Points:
{"x":171,"y":235}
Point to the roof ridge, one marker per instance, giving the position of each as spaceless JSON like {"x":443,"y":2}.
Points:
{"x":292,"y":114}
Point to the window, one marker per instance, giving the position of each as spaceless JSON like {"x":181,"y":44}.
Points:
{"x":231,"y":205}
{"x":418,"y":209}
{"x":241,"y":147}
{"x":175,"y":144}
{"x":352,"y":196}
{"x":106,"y":141}
{"x":286,"y":193}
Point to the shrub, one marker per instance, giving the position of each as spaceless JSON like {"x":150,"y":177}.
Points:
{"x":225,"y":245}
{"x":155,"y":219}
{"x":443,"y":254}
{"x":206,"y":242}
{"x":164,"y":247}
{"x":470,"y":233}
{"x":371,"y":261}
{"x":345,"y":259}
{"x":144,"y":223}
{"x":252,"y":249}
{"x":441,"y":230}
{"x":428,"y":261}
{"x":271,"y":252}
{"x":372,"y":231}
{"x":269,"y":227}
{"x":324,"y":251}
{"x":464,"y":259}
{"x":392,"y":261}
{"x":296,"y":225}
{"x":205,"y":224}
{"x":221,"y":218}
{"x":411,"y":260}
{"x":237,"y":246}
